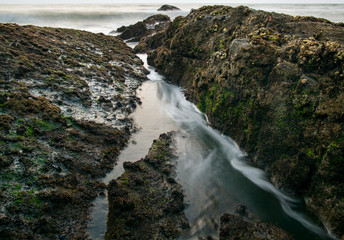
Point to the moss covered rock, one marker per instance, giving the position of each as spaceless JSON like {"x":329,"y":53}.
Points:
{"x":146,"y":202}
{"x":53,"y":149}
{"x":272,"y":82}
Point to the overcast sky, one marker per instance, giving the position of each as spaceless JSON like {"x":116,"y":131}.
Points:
{"x":170,"y":1}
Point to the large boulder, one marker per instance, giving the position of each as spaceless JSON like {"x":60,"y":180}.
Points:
{"x":275,"y":84}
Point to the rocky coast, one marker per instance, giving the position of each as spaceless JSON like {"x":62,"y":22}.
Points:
{"x":272,"y":82}
{"x":64,"y":102}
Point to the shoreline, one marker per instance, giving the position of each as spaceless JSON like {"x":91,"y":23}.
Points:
{"x":63,"y":122}
{"x":37,"y":117}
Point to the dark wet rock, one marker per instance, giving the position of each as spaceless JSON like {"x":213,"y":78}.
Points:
{"x":144,"y":203}
{"x":156,"y":19}
{"x":5,"y":161}
{"x":167,"y":7}
{"x":55,"y":145}
{"x":55,"y":175}
{"x":147,"y":27}
{"x":131,"y":166}
{"x":5,"y":122}
{"x":135,"y":31}
{"x":243,"y":225}
{"x":71,"y":68}
{"x":272,"y":82}
{"x":149,"y":43}
{"x":121,"y":29}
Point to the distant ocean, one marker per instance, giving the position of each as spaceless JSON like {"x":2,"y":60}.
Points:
{"x":105,"y":18}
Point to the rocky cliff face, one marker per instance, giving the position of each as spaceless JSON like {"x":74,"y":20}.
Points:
{"x":274,"y":83}
{"x":64,"y":100}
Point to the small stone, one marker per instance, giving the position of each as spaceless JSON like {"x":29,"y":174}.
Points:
{"x":304,"y":80}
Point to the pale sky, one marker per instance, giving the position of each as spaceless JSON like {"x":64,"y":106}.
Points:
{"x":172,"y":1}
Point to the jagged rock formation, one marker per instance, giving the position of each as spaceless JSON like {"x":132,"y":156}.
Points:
{"x":272,"y":82}
{"x":167,"y":7}
{"x":144,"y":28}
{"x":146,"y":202}
{"x":64,"y":100}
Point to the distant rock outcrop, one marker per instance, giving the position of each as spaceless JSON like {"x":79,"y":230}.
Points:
{"x":274,"y":83}
{"x":147,"y":27}
{"x":167,"y":7}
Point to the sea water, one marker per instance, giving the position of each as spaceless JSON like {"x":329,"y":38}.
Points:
{"x":105,"y":18}
{"x":211,"y":167}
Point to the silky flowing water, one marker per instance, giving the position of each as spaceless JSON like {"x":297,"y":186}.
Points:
{"x":215,"y":174}
{"x":212,"y":169}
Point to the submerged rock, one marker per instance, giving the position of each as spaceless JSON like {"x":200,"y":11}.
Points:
{"x":167,"y":7}
{"x":243,"y":225}
{"x":145,"y":202}
{"x":56,"y":139}
{"x":275,"y":84}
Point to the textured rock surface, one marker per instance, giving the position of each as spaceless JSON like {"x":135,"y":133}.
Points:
{"x":167,"y":7}
{"x":87,"y":75}
{"x":146,"y":202}
{"x":148,"y":43}
{"x":147,"y":27}
{"x":274,"y":83}
{"x":243,"y":225}
{"x":53,"y":148}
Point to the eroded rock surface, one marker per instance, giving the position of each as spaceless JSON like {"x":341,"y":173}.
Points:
{"x":147,"y":27}
{"x":167,"y":7}
{"x":146,"y":202}
{"x":272,"y":82}
{"x":242,"y":225}
{"x":64,"y":100}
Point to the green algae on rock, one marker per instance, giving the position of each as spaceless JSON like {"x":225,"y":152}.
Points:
{"x":53,"y":149}
{"x":85,"y":74}
{"x":146,"y":202}
{"x":272,"y":82}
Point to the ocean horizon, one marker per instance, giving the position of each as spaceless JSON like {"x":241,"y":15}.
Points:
{"x":105,"y":18}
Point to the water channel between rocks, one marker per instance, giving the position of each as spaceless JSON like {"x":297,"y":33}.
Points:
{"x":210,"y":166}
